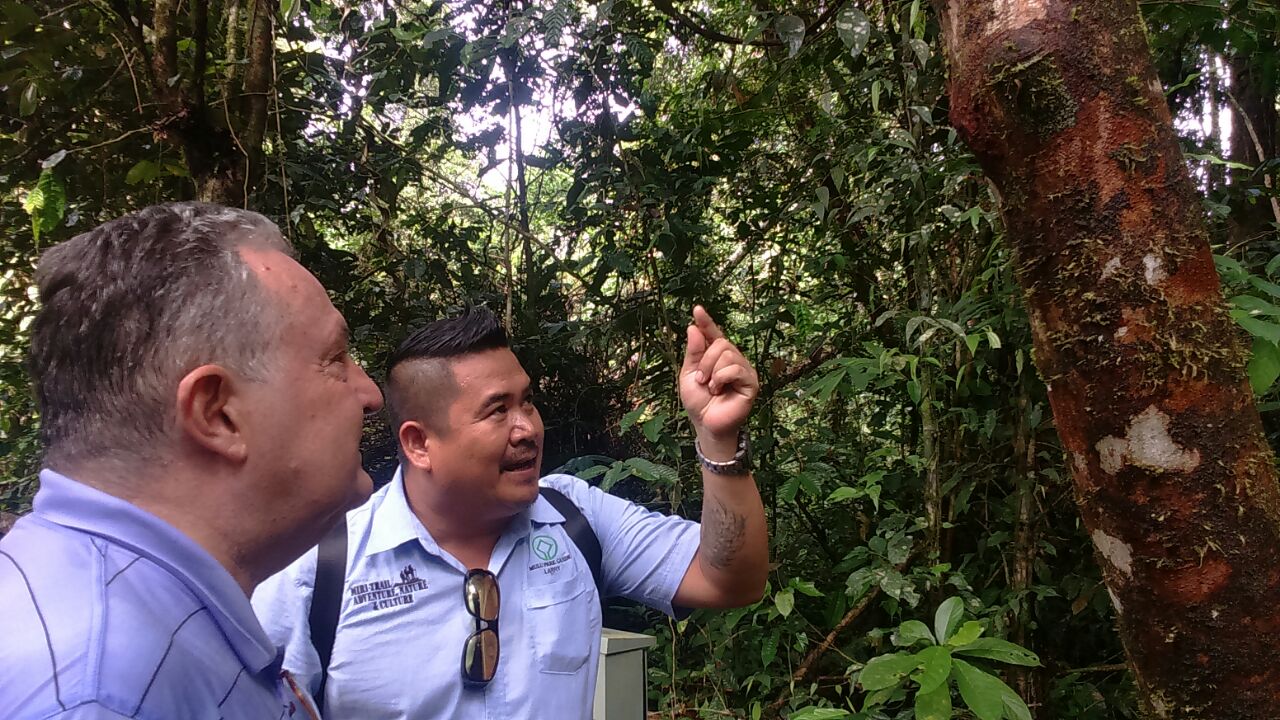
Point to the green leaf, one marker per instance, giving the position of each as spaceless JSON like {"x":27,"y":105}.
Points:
{"x":791,"y":30}
{"x":785,"y":601}
{"x":935,"y":704}
{"x":887,"y":671}
{"x":1264,"y":366}
{"x":141,"y":172}
{"x":1255,"y":305}
{"x":845,"y":493}
{"x":1000,"y":651}
{"x":981,"y":691}
{"x":1014,"y":707}
{"x":1257,"y":328}
{"x":935,"y":668}
{"x":823,"y":388}
{"x":1265,"y":286}
{"x":29,"y":100}
{"x":813,"y":713}
{"x":948,"y":616}
{"x":46,"y":203}
{"x":631,"y":418}
{"x":768,"y":650}
{"x":966,"y":634}
{"x":854,"y":29}
{"x":911,"y":632}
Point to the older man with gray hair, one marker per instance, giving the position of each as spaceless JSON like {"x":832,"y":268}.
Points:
{"x":201,"y":421}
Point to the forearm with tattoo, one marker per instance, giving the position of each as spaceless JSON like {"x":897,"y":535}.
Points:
{"x":723,"y":533}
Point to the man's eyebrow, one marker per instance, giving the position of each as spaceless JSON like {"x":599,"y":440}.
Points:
{"x":494,"y":398}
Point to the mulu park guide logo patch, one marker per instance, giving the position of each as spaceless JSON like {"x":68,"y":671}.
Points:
{"x":389,"y":593}
{"x":545,"y":547}
{"x":548,"y":555}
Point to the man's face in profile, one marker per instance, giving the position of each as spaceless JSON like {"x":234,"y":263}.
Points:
{"x":308,"y":413}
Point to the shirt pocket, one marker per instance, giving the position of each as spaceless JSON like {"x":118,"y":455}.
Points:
{"x":559,"y":618}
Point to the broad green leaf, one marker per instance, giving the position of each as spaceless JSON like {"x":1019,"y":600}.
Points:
{"x":791,"y":29}
{"x":768,"y":649}
{"x":935,"y":668}
{"x":1264,"y":366}
{"x":141,"y":172}
{"x":1014,"y":707}
{"x":1000,"y":651}
{"x":935,"y":704}
{"x":1255,"y":305}
{"x":947,"y":618}
{"x":911,"y":632}
{"x":845,"y":493}
{"x":854,"y":29}
{"x":1257,"y":328}
{"x":966,"y":634}
{"x":886,"y":671}
{"x":993,"y":339}
{"x":785,"y":601}
{"x":806,"y":587}
{"x":1265,"y":286}
{"x":981,"y":691}
{"x":46,"y":204}
{"x":812,"y":713}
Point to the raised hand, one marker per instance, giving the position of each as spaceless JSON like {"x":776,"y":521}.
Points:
{"x":717,"y":384}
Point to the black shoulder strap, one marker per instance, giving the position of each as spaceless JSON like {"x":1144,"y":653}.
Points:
{"x":326,"y":598}
{"x":580,"y":532}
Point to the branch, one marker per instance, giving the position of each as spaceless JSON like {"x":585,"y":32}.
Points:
{"x":810,"y":662}
{"x":134,"y":29}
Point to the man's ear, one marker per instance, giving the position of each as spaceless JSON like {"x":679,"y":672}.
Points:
{"x":210,"y":411}
{"x":414,"y":443}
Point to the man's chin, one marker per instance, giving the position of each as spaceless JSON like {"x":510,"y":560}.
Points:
{"x":361,"y":490}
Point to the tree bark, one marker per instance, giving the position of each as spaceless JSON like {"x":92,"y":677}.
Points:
{"x":1145,"y":369}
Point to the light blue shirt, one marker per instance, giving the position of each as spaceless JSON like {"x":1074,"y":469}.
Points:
{"x":402,"y":625}
{"x":108,"y":612}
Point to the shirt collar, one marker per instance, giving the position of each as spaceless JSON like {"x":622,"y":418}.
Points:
{"x":392,"y":522}
{"x":73,"y":504}
{"x":396,"y":524}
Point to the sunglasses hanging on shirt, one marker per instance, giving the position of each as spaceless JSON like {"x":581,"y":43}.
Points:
{"x":481,"y":597}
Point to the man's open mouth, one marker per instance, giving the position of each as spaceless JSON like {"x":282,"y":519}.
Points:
{"x":520,"y":465}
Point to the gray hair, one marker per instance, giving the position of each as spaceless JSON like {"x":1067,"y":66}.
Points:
{"x":130,"y":307}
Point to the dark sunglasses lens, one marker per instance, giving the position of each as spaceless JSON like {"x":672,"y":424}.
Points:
{"x":480,"y":656}
{"x":480,"y":592}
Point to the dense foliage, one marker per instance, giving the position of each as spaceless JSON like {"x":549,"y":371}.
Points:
{"x":789,"y":166}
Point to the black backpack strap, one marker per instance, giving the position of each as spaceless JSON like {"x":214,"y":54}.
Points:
{"x":580,"y":532}
{"x":326,"y":598}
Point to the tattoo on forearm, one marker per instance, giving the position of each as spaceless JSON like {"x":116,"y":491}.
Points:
{"x":723,"y":532}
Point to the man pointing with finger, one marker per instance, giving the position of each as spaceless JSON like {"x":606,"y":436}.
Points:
{"x":467,"y":589}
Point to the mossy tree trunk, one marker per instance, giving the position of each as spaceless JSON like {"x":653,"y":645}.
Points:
{"x":1174,"y":479}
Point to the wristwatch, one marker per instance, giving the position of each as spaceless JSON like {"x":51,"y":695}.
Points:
{"x":740,"y":464}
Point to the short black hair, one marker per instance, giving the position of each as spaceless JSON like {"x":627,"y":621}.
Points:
{"x":474,"y":330}
{"x":420,"y":383}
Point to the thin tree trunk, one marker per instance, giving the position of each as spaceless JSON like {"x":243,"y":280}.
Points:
{"x":1174,"y":479}
{"x":1025,"y":680}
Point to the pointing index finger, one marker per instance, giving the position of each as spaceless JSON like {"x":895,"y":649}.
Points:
{"x":702,"y":319}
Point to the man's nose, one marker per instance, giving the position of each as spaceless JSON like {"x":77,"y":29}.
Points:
{"x":370,"y":395}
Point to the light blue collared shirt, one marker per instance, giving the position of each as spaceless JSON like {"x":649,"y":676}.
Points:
{"x":398,"y":651}
{"x":108,"y":612}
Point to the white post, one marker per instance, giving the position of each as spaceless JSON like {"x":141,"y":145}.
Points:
{"x":620,"y":678}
